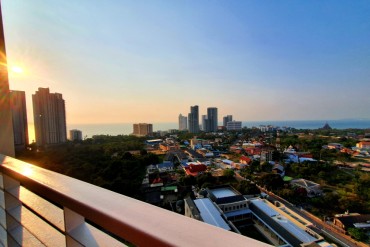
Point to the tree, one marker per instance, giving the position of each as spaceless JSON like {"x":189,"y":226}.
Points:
{"x":362,"y":186}
{"x":286,"y":193}
{"x":271,"y":181}
{"x":358,"y":234}
{"x":247,"y":188}
{"x":205,"y":178}
{"x":188,"y":180}
{"x":228,"y":173}
{"x":276,"y":156}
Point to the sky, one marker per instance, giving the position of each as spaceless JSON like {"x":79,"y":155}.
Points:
{"x":148,"y":61}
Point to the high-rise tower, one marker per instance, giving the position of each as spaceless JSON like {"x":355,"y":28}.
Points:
{"x":193,"y":119}
{"x":212,"y":117}
{"x":143,"y":129}
{"x":183,"y":122}
{"x":204,"y":122}
{"x":49,"y":117}
{"x":19,"y":114}
{"x":227,"y":119}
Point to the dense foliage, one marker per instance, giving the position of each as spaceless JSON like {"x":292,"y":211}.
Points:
{"x":101,"y":160}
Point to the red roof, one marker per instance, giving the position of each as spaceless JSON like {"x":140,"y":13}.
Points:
{"x":194,"y":169}
{"x":245,"y":158}
{"x":306,"y":156}
{"x":253,"y":151}
{"x":157,"y":181}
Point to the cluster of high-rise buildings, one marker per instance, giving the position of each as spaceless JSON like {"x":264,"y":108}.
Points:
{"x":209,"y":121}
{"x":49,"y":119}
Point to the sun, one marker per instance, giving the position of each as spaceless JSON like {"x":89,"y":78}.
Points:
{"x":17,"y":69}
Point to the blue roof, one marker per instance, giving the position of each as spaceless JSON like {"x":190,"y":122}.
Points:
{"x":229,"y":162}
{"x":239,"y":212}
{"x":165,"y":164}
{"x":264,"y":207}
{"x":210,"y":214}
{"x":223,"y":192}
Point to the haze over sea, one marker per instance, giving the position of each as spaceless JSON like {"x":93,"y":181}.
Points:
{"x":88,"y":130}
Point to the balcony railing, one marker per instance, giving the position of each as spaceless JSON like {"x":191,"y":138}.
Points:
{"x":41,"y":207}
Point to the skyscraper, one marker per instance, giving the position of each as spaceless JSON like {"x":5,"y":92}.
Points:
{"x":49,"y":117}
{"x":212,"y":117}
{"x":227,"y":119}
{"x":193,"y":119}
{"x":143,"y":129}
{"x":204,"y":122}
{"x":183,"y":122}
{"x":19,"y":114}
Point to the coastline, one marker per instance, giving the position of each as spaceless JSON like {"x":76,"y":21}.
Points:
{"x":126,"y":128}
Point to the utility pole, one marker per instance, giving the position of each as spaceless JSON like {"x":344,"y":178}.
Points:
{"x":6,"y":122}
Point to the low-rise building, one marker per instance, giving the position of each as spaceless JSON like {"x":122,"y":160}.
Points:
{"x":234,"y":125}
{"x":245,"y":160}
{"x":204,"y":210}
{"x":231,"y":203}
{"x":168,"y":146}
{"x":166,"y":166}
{"x":337,"y":146}
{"x":352,"y":220}
{"x":364,"y":145}
{"x":195,"y":169}
{"x":283,"y":226}
{"x":279,"y":169}
{"x":312,"y":189}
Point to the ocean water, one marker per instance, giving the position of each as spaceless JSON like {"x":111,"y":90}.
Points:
{"x":88,"y":130}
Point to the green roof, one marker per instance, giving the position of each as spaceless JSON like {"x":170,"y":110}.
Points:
{"x":169,"y":188}
{"x":287,"y":178}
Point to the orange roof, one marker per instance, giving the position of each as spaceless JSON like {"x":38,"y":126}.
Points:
{"x":364,"y":143}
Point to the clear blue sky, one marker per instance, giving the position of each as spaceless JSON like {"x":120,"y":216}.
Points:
{"x":149,"y":61}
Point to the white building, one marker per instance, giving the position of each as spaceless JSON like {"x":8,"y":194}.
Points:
{"x":234,"y":125}
{"x":183,"y":122}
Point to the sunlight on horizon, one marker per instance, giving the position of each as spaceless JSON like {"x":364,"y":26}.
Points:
{"x":31,"y":133}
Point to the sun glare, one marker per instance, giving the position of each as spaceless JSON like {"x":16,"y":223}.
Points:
{"x":27,"y":170}
{"x":17,"y":69}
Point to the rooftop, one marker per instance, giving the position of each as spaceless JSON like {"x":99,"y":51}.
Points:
{"x":284,"y":222}
{"x":210,"y":213}
{"x":223,"y":192}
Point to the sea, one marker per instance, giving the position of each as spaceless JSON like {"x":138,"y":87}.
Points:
{"x":88,"y":130}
